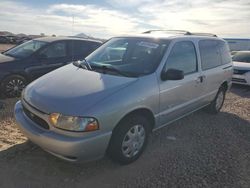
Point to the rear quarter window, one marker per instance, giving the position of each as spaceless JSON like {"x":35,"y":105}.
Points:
{"x":210,"y":54}
{"x":225,"y":53}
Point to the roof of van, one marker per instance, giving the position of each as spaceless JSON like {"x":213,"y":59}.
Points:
{"x":170,"y":36}
{"x":52,"y":39}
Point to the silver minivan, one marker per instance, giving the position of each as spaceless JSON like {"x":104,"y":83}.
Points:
{"x":130,"y":86}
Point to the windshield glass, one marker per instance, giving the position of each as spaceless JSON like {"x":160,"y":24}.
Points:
{"x":25,"y":49}
{"x":131,"y":56}
{"x":242,"y":57}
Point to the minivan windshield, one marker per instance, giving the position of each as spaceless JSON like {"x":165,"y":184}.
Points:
{"x":128,"y":56}
{"x":242,"y":57}
{"x":25,"y":49}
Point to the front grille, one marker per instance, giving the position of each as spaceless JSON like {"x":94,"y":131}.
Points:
{"x":39,"y":121}
{"x":239,"y":80}
{"x":240,"y":72}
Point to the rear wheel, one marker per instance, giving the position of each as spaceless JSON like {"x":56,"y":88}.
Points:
{"x":12,"y":86}
{"x":218,"y":101}
{"x":129,"y":139}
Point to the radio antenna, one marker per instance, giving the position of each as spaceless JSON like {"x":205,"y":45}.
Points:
{"x":73,"y":22}
{"x":72,"y":34}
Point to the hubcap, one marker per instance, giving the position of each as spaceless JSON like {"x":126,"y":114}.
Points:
{"x":133,"y":141}
{"x":14,"y":87}
{"x":219,"y":100}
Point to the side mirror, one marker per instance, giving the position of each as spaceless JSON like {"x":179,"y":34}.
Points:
{"x":172,"y":74}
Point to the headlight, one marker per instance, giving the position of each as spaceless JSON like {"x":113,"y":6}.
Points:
{"x":72,"y":123}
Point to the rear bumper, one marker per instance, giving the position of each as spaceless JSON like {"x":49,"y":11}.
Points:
{"x":63,"y":146}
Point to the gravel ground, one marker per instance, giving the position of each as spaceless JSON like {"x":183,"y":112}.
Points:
{"x":200,"y":150}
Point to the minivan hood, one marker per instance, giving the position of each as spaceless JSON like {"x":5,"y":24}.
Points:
{"x":71,"y":90}
{"x":5,"y":58}
{"x":241,"y":65}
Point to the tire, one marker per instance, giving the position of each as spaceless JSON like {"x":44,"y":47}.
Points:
{"x":218,"y":101}
{"x":13,"y":85}
{"x":126,"y":144}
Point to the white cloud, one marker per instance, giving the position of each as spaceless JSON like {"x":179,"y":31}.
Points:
{"x":58,"y":19}
{"x":131,"y":16}
{"x":128,"y":3}
{"x":220,"y":17}
{"x":102,"y":19}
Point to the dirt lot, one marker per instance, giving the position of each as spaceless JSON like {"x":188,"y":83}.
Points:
{"x":4,"y":47}
{"x":200,"y":150}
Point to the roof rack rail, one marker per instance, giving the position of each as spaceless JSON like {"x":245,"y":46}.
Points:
{"x":204,"y":34}
{"x":167,"y":31}
{"x":184,"y":32}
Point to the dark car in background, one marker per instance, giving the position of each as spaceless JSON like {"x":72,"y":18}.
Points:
{"x":9,"y":39}
{"x":30,"y":60}
{"x":12,"y":39}
{"x":4,"y":40}
{"x":20,"y":40}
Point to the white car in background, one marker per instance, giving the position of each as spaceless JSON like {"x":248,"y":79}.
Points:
{"x":241,"y":64}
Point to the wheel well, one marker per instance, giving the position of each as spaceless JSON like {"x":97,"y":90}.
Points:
{"x":224,"y":85}
{"x":143,"y":112}
{"x":16,"y":74}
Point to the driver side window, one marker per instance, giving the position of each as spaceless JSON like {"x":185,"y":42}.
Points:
{"x":55,"y":50}
{"x":182,"y":57}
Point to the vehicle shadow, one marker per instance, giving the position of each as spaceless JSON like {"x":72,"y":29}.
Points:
{"x":200,"y":137}
{"x":241,"y":90}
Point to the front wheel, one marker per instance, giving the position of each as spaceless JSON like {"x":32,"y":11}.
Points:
{"x":218,"y":101}
{"x":129,"y":139}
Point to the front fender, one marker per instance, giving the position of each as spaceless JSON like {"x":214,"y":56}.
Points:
{"x":143,"y":94}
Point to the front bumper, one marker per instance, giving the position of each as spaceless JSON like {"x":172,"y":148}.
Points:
{"x":243,"y":79}
{"x":67,"y":147}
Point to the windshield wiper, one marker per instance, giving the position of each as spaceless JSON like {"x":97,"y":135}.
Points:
{"x":85,"y":65}
{"x":82,"y":64}
{"x":105,"y":68}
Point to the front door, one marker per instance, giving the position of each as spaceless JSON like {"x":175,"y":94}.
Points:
{"x":178,"y":97}
{"x":50,"y":58}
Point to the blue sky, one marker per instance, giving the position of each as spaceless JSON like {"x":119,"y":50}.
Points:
{"x":115,"y":17}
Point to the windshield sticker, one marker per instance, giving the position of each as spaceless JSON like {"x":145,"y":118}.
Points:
{"x":148,"y":44}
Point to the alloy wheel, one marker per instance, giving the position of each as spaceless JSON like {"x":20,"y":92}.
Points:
{"x":14,"y":87}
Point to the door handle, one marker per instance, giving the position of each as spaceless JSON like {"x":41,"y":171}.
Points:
{"x":200,"y":79}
